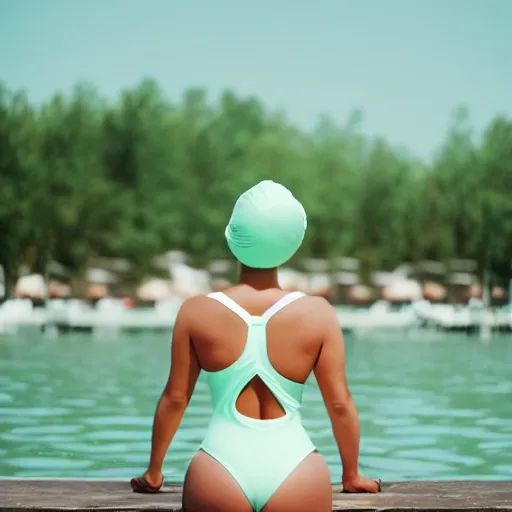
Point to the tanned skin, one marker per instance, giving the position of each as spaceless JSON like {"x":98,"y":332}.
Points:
{"x":309,"y":328}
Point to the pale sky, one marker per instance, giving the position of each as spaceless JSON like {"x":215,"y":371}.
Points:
{"x":406,"y":63}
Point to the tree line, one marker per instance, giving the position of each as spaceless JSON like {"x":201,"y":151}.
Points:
{"x":82,"y":177}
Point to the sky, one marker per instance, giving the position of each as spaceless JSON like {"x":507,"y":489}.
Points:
{"x":406,"y":63}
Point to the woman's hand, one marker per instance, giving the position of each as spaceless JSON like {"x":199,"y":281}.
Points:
{"x":149,"y":482}
{"x":361,"y":484}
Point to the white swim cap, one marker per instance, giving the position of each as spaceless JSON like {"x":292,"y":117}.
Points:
{"x":267,"y":226}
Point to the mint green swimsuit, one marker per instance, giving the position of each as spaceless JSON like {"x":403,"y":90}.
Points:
{"x":259,"y":454}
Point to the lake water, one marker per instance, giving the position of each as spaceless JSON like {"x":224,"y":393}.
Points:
{"x":79,"y":406}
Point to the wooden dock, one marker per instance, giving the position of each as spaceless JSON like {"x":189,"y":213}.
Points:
{"x":84,"y":495}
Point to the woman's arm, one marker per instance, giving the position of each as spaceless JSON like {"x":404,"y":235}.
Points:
{"x":331,"y":376}
{"x":176,"y":394}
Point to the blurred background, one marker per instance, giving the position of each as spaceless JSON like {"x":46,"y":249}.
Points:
{"x":127,"y":131}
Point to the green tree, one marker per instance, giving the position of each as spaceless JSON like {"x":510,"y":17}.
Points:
{"x":81,"y":177}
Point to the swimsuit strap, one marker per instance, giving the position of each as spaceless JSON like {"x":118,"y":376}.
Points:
{"x":246,"y":316}
{"x":233,"y":306}
{"x":280,"y":304}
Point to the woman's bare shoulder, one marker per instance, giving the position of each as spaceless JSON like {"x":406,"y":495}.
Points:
{"x":320,"y":310}
{"x":193,"y":305}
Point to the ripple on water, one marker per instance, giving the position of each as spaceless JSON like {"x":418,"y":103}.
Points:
{"x":126,"y":401}
{"x":11,"y":385}
{"x":123,"y":472}
{"x":33,"y":411}
{"x":388,"y":391}
{"x":438,"y":430}
{"x":405,"y":440}
{"x":313,"y":424}
{"x":505,"y":470}
{"x":372,"y":449}
{"x":47,"y":462}
{"x":195,"y":436}
{"x":398,"y":406}
{"x":111,"y":448}
{"x":78,"y":402}
{"x":115,"y":435}
{"x":105,"y":421}
{"x":137,"y":458}
{"x":183,"y":455}
{"x":15,"y":420}
{"x":199,"y":422}
{"x":46,"y":429}
{"x":436,"y":455}
{"x":5,"y":398}
{"x":409,"y":469}
{"x":203,"y":412}
{"x":395,"y":421}
{"x":494,"y":422}
{"x":27,"y":443}
{"x":433,"y":412}
{"x":503,"y":446}
{"x":496,"y":388}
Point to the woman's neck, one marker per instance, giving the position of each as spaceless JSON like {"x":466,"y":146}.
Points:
{"x":259,"y":278}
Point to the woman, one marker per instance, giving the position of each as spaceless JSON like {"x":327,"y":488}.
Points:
{"x":257,"y":345}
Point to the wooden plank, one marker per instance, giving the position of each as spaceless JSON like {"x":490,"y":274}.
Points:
{"x":60,"y":495}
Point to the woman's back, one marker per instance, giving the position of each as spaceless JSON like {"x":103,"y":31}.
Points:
{"x":293,"y":341}
{"x":258,"y":351}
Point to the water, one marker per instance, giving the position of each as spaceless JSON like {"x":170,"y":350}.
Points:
{"x":81,"y":407}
